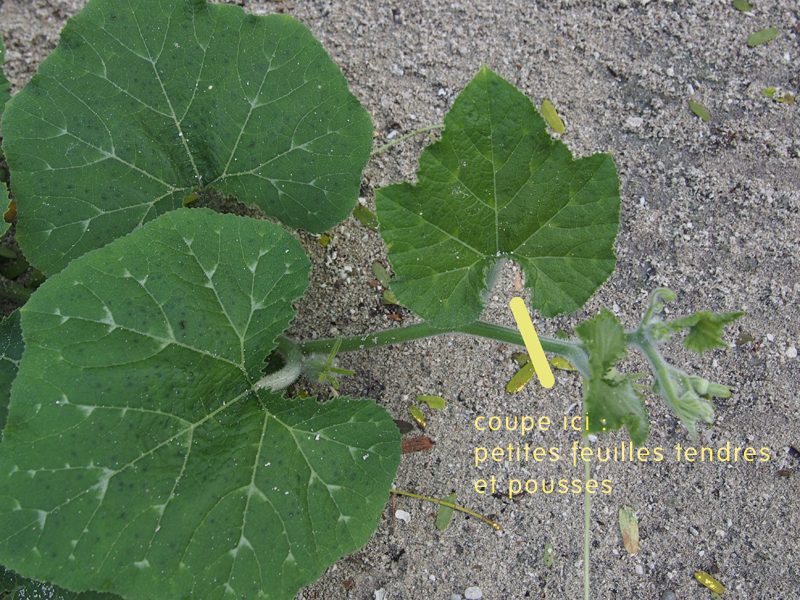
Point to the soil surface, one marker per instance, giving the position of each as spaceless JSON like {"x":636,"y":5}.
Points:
{"x":710,"y":209}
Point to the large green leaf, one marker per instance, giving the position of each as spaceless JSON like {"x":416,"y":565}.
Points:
{"x":142,"y":457}
{"x":497,"y":186}
{"x":145,"y":100}
{"x":610,"y":398}
{"x":11,"y":346}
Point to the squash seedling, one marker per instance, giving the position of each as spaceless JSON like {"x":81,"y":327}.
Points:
{"x":145,"y":452}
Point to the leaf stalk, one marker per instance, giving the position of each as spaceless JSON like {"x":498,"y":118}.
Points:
{"x":571,"y":350}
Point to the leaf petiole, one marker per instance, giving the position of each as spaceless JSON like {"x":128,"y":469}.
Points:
{"x":571,"y":350}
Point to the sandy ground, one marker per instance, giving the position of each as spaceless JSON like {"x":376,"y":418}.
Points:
{"x":709,"y":209}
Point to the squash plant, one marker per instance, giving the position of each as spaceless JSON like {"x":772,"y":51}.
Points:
{"x":148,"y":451}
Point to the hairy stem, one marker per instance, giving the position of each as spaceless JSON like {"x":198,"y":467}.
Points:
{"x":402,"y":138}
{"x":288,"y":373}
{"x":493,"y":524}
{"x":572,"y":351}
{"x":660,"y":368}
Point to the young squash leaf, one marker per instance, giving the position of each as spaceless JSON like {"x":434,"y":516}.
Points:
{"x":610,"y":398}
{"x":687,"y":395}
{"x":705,"y":329}
{"x":145,"y":101}
{"x":497,"y":186}
{"x":139,"y":440}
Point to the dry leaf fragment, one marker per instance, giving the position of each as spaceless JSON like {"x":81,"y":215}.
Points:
{"x":762,"y":37}
{"x":433,"y":402}
{"x":520,"y":378}
{"x":561,"y":363}
{"x":417,"y":444}
{"x":417,"y":415}
{"x":700,"y":110}
{"x":708,"y":581}
{"x":445,"y":513}
{"x":629,"y":527}
{"x":551,"y":116}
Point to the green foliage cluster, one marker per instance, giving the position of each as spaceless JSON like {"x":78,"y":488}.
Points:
{"x":146,"y":452}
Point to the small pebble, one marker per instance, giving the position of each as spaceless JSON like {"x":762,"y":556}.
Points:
{"x":455,"y":597}
{"x":473,"y":593}
{"x":791,"y":352}
{"x":639,"y":569}
{"x":634,"y":122}
{"x":380,"y":594}
{"x":402,"y":515}
{"x":668,"y":596}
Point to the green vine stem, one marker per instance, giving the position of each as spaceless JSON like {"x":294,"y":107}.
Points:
{"x":571,"y":350}
{"x":288,"y":373}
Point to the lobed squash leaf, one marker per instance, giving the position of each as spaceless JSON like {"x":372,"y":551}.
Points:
{"x":145,"y":101}
{"x":496,"y":186}
{"x":139,"y":441}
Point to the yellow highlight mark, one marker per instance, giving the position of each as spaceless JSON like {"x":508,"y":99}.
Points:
{"x":532,"y":343}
